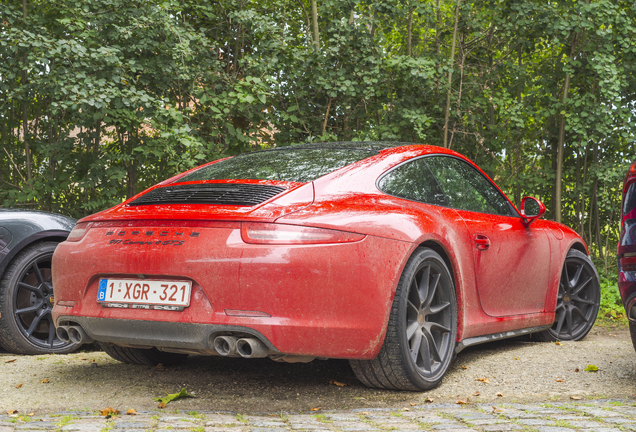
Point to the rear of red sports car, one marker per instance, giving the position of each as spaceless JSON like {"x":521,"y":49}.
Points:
{"x":210,"y":254}
{"x":627,"y":250}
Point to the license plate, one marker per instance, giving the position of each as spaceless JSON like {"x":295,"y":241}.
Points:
{"x":144,"y":294}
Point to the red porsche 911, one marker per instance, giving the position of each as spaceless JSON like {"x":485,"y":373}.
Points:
{"x":395,"y":256}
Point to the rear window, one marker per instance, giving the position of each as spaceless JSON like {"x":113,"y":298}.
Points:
{"x":630,"y":199}
{"x":295,"y":165}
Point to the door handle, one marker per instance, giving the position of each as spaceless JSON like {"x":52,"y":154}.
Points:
{"x":482,"y":242}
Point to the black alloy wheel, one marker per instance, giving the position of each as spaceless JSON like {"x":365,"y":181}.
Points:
{"x":26,"y":302}
{"x":578,"y":299}
{"x":420,"y":338}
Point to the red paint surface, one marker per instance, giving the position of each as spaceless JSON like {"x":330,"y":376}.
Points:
{"x":327,"y":300}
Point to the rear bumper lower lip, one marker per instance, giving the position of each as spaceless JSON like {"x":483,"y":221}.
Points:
{"x":159,"y":334}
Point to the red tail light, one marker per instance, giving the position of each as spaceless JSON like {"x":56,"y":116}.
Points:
{"x":264,"y":233}
{"x":628,"y":263}
{"x":79,"y":231}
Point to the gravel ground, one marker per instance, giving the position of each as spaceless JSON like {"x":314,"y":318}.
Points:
{"x":511,"y":371}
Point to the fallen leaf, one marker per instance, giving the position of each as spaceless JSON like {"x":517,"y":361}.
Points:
{"x":516,"y":358}
{"x":44,"y":381}
{"x":476,"y":393}
{"x":591,"y":368}
{"x":499,"y":394}
{"x":9,"y":361}
{"x":316,"y":409}
{"x":560,"y":380}
{"x":11,"y":412}
{"x":83,"y":358}
{"x":31,"y":414}
{"x":461,"y":402}
{"x":406,"y":409}
{"x":19,"y":385}
{"x":412,"y":404}
{"x":484,"y":380}
{"x":428,"y":399}
{"x":173,"y":396}
{"x":108,"y":411}
{"x":558,"y":343}
{"x":576,"y":370}
{"x":161,"y":405}
{"x":131,"y":412}
{"x":576,"y":397}
{"x":339,"y":384}
{"x":496,"y":410}
{"x":611,"y":334}
{"x":464,"y":367}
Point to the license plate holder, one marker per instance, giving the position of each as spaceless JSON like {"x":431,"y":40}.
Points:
{"x":149,"y":294}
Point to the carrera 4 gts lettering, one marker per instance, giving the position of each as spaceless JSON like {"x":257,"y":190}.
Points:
{"x":181,"y":236}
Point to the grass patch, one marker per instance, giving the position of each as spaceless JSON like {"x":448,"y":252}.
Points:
{"x":611,"y":311}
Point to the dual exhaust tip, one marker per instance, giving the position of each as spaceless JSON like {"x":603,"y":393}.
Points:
{"x":73,"y":333}
{"x":230,"y":346}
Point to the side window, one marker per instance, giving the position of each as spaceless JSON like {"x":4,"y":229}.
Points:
{"x":466,"y":188}
{"x":413,"y":181}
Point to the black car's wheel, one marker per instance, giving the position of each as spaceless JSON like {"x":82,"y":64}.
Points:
{"x":140,"y":356}
{"x":26,"y":301}
{"x":578,"y":299}
{"x":420,"y":336}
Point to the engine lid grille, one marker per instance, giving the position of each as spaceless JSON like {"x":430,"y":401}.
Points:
{"x":219,"y":194}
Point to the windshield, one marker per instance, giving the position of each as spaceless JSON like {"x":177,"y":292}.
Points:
{"x":293,"y":164}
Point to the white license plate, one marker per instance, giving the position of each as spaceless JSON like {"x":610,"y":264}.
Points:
{"x":144,"y":294}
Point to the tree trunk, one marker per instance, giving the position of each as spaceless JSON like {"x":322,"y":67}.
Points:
{"x":438,"y":25}
{"x":518,"y":143}
{"x":314,"y":25}
{"x":409,"y":32}
{"x":450,"y":76}
{"x":25,"y":113}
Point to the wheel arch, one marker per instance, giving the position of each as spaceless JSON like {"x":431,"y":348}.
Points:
{"x":43,"y":236}
{"x":579,"y":247}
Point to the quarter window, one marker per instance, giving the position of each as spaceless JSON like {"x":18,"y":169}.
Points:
{"x":413,"y":181}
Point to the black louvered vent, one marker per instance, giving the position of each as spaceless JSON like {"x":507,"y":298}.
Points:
{"x":222,"y":194}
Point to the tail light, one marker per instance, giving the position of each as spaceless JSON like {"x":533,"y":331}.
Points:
{"x":79,"y":231}
{"x":264,"y":233}
{"x":628,"y":263}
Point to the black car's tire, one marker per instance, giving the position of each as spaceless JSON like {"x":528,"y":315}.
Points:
{"x":578,"y":300}
{"x":141,"y":356}
{"x":26,"y":301}
{"x":420,"y":336}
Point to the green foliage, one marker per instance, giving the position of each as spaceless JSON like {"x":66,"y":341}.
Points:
{"x":611,"y":307}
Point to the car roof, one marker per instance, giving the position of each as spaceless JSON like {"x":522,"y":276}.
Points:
{"x":375,"y":146}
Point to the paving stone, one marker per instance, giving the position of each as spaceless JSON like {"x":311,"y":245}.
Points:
{"x":601,"y":429}
{"x":222,"y":420}
{"x":449,"y":426}
{"x":567,"y":417}
{"x":132,"y":425}
{"x":487,"y":422}
{"x":619,"y":420}
{"x":267,"y":430}
{"x":175,"y":425}
{"x":501,"y":427}
{"x":45,"y":425}
{"x":342,"y":417}
{"x":306,"y":426}
{"x":554,"y":429}
{"x":534,"y":422}
{"x":93,"y":427}
{"x":585,"y":424}
{"x":599,"y":412}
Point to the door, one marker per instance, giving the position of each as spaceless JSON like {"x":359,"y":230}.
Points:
{"x":512,"y":261}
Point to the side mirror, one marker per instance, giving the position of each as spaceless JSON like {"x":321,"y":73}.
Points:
{"x":531,"y":209}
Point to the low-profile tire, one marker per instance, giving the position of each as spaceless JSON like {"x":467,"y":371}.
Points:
{"x":578,"y":300}
{"x":420,"y":337}
{"x":632,"y":333}
{"x":142,"y":356}
{"x":26,"y":301}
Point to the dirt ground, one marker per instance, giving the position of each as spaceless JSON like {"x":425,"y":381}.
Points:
{"x":518,"y":370}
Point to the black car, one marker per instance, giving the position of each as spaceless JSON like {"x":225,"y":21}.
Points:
{"x":627,"y":250}
{"x":27,"y":241}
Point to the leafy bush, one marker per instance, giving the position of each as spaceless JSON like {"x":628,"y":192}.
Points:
{"x":611,"y":303}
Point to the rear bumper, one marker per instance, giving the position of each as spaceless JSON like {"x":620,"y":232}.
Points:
{"x":330,"y":300}
{"x":196,"y":338}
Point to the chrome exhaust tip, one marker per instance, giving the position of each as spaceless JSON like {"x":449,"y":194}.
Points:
{"x":225,"y":345}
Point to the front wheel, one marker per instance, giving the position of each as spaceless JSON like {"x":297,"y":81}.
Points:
{"x":578,"y":300}
{"x":420,"y":337}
